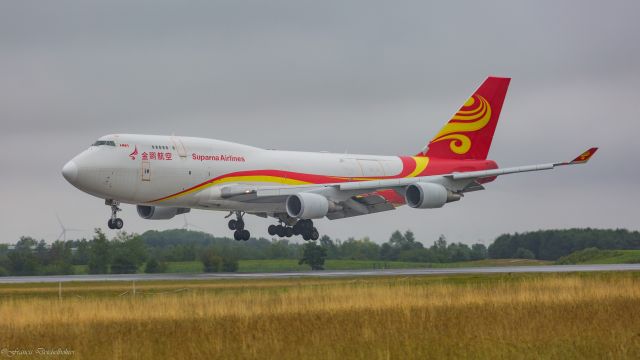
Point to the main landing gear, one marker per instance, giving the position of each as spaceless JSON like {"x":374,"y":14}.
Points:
{"x":114,"y":221}
{"x":301,"y":227}
{"x":237,"y":224}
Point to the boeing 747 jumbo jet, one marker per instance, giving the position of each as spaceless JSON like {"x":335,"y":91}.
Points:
{"x":169,"y":175}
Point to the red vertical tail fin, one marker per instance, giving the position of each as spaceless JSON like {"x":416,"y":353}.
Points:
{"x":469,"y":133}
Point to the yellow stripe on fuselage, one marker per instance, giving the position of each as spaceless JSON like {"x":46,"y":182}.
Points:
{"x":246,"y":178}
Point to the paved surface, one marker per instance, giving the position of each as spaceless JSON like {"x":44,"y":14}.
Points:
{"x":325,"y":274}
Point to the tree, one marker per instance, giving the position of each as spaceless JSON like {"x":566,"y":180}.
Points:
{"x":313,"y":255}
{"x":330,"y":246}
{"x":211,"y":261}
{"x":99,"y":258}
{"x":363,"y":249}
{"x":439,"y":249}
{"x":128,"y":253}
{"x":397,"y":240}
{"x":478,"y":251}
{"x":22,"y":259}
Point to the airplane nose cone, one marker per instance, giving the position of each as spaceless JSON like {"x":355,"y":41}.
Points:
{"x":70,"y":171}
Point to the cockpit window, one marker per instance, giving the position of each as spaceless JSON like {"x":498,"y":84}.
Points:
{"x":104,"y":142}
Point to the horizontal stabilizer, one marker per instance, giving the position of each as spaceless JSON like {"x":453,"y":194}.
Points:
{"x":585,"y":156}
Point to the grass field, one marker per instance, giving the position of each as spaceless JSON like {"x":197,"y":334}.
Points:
{"x":594,"y":256}
{"x":292,"y":265}
{"x":523,"y":316}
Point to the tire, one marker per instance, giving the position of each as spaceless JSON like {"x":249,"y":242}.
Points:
{"x":110,"y":224}
{"x":237,"y":235}
{"x":272,"y":230}
{"x":288,"y":232}
{"x":118,"y":223}
{"x":232,"y":224}
{"x":296,"y":229}
{"x":307,"y":225}
{"x":245,"y":235}
{"x":240,"y":225}
{"x":314,"y":234}
{"x":280,"y":230}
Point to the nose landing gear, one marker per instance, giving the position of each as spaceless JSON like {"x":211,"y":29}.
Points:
{"x":237,"y":224}
{"x":114,"y":221}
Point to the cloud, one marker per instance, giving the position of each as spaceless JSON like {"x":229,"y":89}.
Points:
{"x":362,"y":77}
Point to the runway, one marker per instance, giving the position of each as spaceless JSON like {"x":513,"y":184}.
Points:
{"x":322,"y":274}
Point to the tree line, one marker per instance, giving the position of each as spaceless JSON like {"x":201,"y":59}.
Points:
{"x":152,"y":250}
{"x":554,"y":244}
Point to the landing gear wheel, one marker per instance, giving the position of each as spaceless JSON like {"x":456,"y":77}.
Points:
{"x":272,"y":230}
{"x":280,"y":230}
{"x":114,"y":222}
{"x":232,"y":224}
{"x":288,"y":232}
{"x":314,"y":234}
{"x":239,"y":224}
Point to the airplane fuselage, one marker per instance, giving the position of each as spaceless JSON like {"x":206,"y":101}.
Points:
{"x":175,"y":171}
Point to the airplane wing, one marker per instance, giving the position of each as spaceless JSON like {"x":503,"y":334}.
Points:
{"x":361,"y":197}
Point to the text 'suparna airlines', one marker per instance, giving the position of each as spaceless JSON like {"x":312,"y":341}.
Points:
{"x":170,"y":175}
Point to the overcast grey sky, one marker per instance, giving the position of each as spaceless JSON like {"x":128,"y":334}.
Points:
{"x":357,"y":76}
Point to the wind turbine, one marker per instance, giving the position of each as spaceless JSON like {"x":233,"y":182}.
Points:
{"x":187,"y":224}
{"x":63,"y":233}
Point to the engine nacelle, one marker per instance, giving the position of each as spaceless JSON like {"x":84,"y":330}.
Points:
{"x":428,"y":195}
{"x":160,"y":212}
{"x":307,"y":206}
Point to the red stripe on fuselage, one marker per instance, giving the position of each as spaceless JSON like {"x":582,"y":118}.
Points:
{"x":434,"y":167}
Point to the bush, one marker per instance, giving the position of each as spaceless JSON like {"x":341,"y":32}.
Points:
{"x":523,"y":253}
{"x":3,"y":271}
{"x":581,"y":256}
{"x":229,"y":264}
{"x":123,"y":265}
{"x":211,"y":262}
{"x":154,"y":266}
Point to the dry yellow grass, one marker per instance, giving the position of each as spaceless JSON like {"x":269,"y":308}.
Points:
{"x":522,"y":316}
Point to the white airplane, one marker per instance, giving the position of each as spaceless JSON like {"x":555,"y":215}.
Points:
{"x":170,"y":175}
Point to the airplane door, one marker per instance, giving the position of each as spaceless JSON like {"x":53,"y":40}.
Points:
{"x":180,"y":148}
{"x":146,"y":170}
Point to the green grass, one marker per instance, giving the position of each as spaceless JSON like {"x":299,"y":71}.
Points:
{"x":278,"y":265}
{"x":596,"y":256}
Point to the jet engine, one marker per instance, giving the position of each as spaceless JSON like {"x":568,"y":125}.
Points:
{"x":307,"y":206}
{"x":160,"y":212}
{"x":428,"y":195}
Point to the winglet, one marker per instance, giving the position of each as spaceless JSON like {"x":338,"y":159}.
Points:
{"x":585,"y":156}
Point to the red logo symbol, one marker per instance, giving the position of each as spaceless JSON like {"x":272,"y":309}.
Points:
{"x":134,"y":153}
